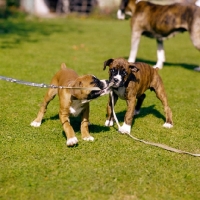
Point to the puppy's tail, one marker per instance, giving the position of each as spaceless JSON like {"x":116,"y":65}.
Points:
{"x":63,"y":66}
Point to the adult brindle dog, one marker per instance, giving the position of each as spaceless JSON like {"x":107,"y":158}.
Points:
{"x":72,"y":101}
{"x":161,"y":22}
{"x":130,"y":81}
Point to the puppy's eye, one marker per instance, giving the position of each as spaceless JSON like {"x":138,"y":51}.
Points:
{"x":124,"y":72}
{"x":113,"y":71}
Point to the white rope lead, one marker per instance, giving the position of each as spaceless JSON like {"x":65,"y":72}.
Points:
{"x":163,"y":146}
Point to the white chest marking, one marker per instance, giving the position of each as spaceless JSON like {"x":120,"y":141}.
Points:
{"x":76,"y":108}
{"x":120,"y":92}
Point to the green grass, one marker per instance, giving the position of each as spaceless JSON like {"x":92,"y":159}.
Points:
{"x":37,"y":164}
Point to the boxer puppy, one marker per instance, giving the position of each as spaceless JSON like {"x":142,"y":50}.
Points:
{"x":161,"y":22}
{"x":72,"y":101}
{"x":129,"y":82}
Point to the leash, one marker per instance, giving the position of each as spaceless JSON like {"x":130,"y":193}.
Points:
{"x":43,"y":85}
{"x":163,"y":146}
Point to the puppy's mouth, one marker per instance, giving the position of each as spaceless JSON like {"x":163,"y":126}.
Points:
{"x":102,"y":85}
{"x":115,"y":83}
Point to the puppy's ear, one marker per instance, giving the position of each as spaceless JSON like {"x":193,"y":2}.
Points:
{"x":107,"y":63}
{"x":77,"y":92}
{"x":133,"y":68}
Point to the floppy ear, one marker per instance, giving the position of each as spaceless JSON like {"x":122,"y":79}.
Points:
{"x":107,"y":63}
{"x":76,"y":92}
{"x":133,"y":68}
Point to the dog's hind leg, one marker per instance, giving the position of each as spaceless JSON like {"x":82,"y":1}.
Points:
{"x":51,"y":93}
{"x":139,"y":104}
{"x":161,"y":95}
{"x":160,"y":54}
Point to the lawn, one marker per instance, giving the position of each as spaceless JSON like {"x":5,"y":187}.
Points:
{"x":37,"y":164}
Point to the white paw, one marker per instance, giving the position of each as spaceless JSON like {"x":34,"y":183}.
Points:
{"x":120,"y":15}
{"x":137,"y":112}
{"x":90,"y":138}
{"x":198,"y":3}
{"x":167,"y":125}
{"x":109,"y":123}
{"x":197,"y":69}
{"x":72,"y":141}
{"x":131,"y":60}
{"x":125,"y":128}
{"x":35,"y":124}
{"x":159,"y":65}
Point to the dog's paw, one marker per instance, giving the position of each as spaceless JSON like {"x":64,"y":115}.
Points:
{"x":125,"y":129}
{"x":197,"y":3}
{"x":109,"y":123}
{"x":72,"y":141}
{"x":35,"y":124}
{"x":120,"y":15}
{"x":167,"y":125}
{"x":136,"y":112}
{"x":89,"y":138}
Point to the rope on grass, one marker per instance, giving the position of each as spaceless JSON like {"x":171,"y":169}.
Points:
{"x":43,"y":85}
{"x":163,"y":146}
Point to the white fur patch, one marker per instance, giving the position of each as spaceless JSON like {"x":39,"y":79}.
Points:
{"x":76,"y":107}
{"x":35,"y":124}
{"x":125,"y":128}
{"x":90,"y":138}
{"x":72,"y":141}
{"x":120,"y":15}
{"x":109,"y":123}
{"x":197,"y":3}
{"x":167,"y":125}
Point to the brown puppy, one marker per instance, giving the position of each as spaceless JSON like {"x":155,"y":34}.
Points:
{"x":130,"y":81}
{"x":161,"y":22}
{"x":72,"y":101}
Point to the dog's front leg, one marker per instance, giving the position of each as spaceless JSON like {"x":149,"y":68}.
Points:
{"x":65,"y":102}
{"x":135,"y":40}
{"x":84,"y":124}
{"x":160,"y":54}
{"x":126,"y":127}
{"x":110,"y":121}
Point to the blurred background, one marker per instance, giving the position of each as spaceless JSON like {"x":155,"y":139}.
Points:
{"x":49,"y":8}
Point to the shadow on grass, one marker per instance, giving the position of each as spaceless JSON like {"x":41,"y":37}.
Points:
{"x":16,"y":31}
{"x":95,"y":129}
{"x":143,"y":113}
{"x":169,"y":64}
{"x":76,"y":123}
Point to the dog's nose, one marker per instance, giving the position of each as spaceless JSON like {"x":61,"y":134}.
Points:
{"x":116,"y":80}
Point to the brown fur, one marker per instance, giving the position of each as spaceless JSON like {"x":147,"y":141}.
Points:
{"x":163,"y":21}
{"x":139,"y":78}
{"x":68,"y":98}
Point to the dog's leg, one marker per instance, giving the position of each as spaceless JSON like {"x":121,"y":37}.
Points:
{"x":51,"y":93}
{"x":110,"y":121}
{"x":195,"y":40}
{"x":126,"y":127}
{"x":135,"y":40}
{"x":139,"y":104}
{"x":84,"y":124}
{"x":160,"y":54}
{"x":65,"y":103}
{"x":161,"y":95}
